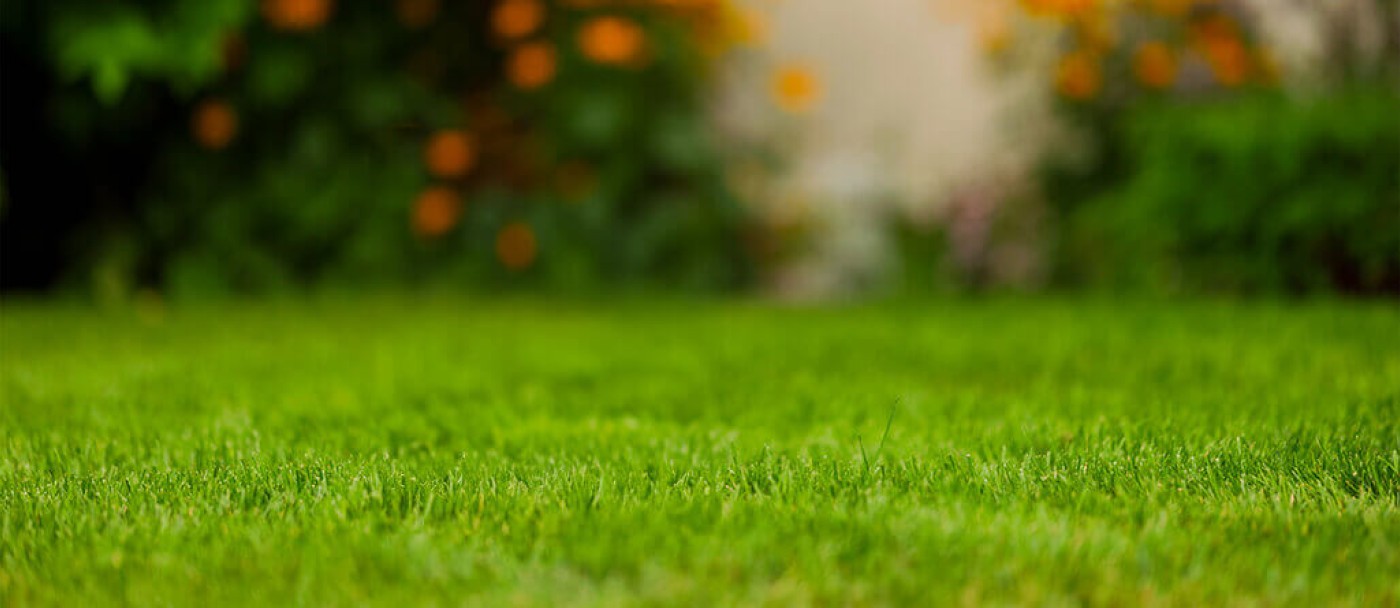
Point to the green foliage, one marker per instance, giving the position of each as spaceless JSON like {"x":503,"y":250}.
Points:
{"x":318,"y":181}
{"x":467,"y":452}
{"x":111,"y":43}
{"x":1261,"y":194}
{"x":1188,"y":169}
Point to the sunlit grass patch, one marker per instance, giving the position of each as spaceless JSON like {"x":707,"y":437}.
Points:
{"x":391,"y":451}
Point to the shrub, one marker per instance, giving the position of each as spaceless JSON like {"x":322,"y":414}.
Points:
{"x":1260,"y":194}
{"x":253,"y":146}
{"x":1188,"y":170}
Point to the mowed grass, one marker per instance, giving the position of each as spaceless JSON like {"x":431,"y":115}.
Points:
{"x":461,"y":452}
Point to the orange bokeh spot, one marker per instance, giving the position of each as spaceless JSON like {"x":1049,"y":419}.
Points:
{"x":612,"y":40}
{"x":516,"y":247}
{"x":416,"y":14}
{"x":515,"y":19}
{"x":532,"y":65}
{"x":296,"y":15}
{"x":795,"y":88}
{"x":214,"y":124}
{"x":1229,"y":60}
{"x":1059,"y":8}
{"x":436,"y":211}
{"x":1217,"y":38}
{"x":1079,"y":76}
{"x":1155,"y":65}
{"x":449,"y":154}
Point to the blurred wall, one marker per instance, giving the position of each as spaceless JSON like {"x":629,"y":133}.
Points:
{"x":906,"y":111}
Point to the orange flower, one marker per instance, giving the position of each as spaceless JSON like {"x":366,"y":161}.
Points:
{"x":436,"y":211}
{"x":1155,"y":65}
{"x":449,"y":154}
{"x":416,"y":14}
{"x":1059,"y":8}
{"x":1228,"y":60}
{"x":612,"y":40}
{"x":532,"y":65}
{"x":214,"y":124}
{"x":796,"y":89}
{"x":1079,"y":75}
{"x":516,"y":247}
{"x":514,"y":19}
{"x":296,"y":15}
{"x":1217,"y":38}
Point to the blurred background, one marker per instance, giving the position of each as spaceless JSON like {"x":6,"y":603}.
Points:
{"x":171,"y":149}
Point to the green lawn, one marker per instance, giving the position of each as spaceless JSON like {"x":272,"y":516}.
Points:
{"x":405,"y":452}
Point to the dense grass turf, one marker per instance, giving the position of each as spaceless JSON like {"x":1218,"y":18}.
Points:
{"x":457,"y":452}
